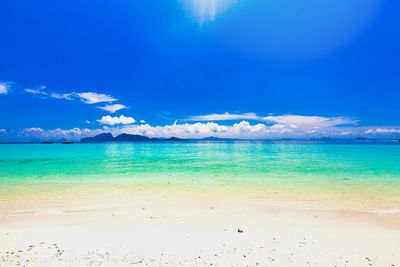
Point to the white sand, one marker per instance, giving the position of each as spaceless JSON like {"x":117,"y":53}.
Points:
{"x":144,"y":231}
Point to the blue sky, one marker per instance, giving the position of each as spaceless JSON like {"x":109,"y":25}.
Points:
{"x":193,"y":68}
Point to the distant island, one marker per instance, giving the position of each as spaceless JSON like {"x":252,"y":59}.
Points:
{"x":108,"y":137}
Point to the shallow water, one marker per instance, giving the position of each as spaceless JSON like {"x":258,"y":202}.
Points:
{"x":370,"y":170}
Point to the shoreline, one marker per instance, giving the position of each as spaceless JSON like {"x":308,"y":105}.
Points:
{"x":357,"y":196}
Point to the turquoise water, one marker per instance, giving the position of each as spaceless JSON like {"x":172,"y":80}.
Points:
{"x":242,"y":159}
{"x":361,"y":173}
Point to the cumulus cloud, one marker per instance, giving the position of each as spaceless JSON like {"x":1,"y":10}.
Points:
{"x":243,"y":129}
{"x":267,"y":127}
{"x":282,"y":121}
{"x":186,"y":130}
{"x":289,"y":125}
{"x":206,"y":10}
{"x":4,"y":88}
{"x":113,"y":108}
{"x":108,"y":120}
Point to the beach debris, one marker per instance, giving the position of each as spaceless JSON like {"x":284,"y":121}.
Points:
{"x":240,"y":230}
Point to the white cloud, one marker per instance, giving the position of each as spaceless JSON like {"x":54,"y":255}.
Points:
{"x":3,"y":130}
{"x":278,"y":126}
{"x":382,"y":131}
{"x":34,"y":91}
{"x":38,"y":92}
{"x":282,"y":121}
{"x":315,"y":121}
{"x":85,"y":97}
{"x":187,"y":130}
{"x":294,"y":126}
{"x":243,"y":129}
{"x":116,"y":120}
{"x":94,"y":98}
{"x":65,"y":96}
{"x":68,"y":132}
{"x":311,"y":132}
{"x":113,"y":108}
{"x":53,"y":134}
{"x":4,"y":88}
{"x":224,"y":117}
{"x":206,"y":10}
{"x":195,"y":130}
{"x":41,"y":91}
{"x":269,"y":127}
{"x":33,"y":129}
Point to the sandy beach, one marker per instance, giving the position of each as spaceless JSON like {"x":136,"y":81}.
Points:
{"x":200,"y":133}
{"x":143,"y":229}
